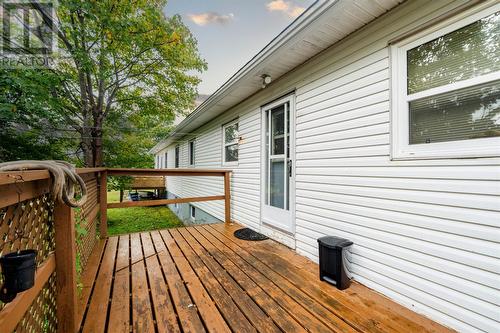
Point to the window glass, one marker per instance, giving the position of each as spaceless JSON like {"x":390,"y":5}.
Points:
{"x":231,"y":153}
{"x":177,"y":152}
{"x":463,"y":114}
{"x":278,"y":130}
{"x":277,"y":183}
{"x":471,"y":51}
{"x":231,"y":133}
{"x":191,"y":153}
{"x":231,"y":137}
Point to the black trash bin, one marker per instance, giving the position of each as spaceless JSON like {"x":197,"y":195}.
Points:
{"x":332,"y":268}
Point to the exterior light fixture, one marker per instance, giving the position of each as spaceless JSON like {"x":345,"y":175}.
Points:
{"x":266,"y":79}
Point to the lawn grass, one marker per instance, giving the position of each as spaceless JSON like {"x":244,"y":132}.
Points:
{"x":135,"y":219}
{"x":114,"y":196}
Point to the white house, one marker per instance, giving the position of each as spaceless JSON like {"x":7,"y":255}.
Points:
{"x":381,"y":124}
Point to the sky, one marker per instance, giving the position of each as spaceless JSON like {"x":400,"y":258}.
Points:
{"x":231,"y":32}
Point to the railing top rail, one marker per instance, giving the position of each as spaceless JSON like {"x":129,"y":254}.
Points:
{"x":11,"y":177}
{"x":82,"y":171}
{"x":166,"y":172}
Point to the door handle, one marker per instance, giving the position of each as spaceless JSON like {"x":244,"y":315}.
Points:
{"x":289,"y":168}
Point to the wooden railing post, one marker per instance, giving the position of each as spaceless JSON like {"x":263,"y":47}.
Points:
{"x":227,"y":197}
{"x":103,"y":204}
{"x":66,"y":299}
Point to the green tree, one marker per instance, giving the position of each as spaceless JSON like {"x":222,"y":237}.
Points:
{"x":29,"y":120}
{"x":123,"y":61}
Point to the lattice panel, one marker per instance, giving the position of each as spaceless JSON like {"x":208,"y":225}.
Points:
{"x":92,"y":196}
{"x":41,"y":316}
{"x":87,"y":242}
{"x":28,"y":225}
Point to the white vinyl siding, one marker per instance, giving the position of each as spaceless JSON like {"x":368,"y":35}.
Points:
{"x":245,"y":180}
{"x":426,"y":232}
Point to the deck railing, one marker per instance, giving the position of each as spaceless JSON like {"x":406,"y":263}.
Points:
{"x":65,"y":240}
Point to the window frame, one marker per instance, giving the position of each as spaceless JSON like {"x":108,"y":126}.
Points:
{"x":226,"y":144}
{"x":192,"y":212}
{"x":400,"y":125}
{"x":192,"y":150}
{"x":177,"y":156}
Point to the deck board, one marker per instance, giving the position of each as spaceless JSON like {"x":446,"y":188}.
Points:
{"x":286,"y":322}
{"x":162,"y":303}
{"x":231,"y":313}
{"x":252,"y":311}
{"x":212,"y":317}
{"x":199,"y":279}
{"x":142,"y":313}
{"x":187,"y":313}
{"x":100,"y":298}
{"x":298,"y":305}
{"x":119,"y":314}
{"x":308,"y":290}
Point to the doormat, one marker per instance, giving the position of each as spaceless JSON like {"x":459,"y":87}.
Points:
{"x":249,"y":234}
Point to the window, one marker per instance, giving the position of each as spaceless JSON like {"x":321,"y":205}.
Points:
{"x":165,"y":162}
{"x":446,"y":90}
{"x":191,"y":152}
{"x":230,"y":136}
{"x":192,"y":212}
{"x":177,"y":153}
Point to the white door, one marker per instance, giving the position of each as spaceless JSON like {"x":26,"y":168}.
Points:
{"x":277,"y":164}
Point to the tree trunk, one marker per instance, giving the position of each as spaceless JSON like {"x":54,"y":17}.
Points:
{"x":121,"y":195}
{"x":86,"y":144}
{"x":97,"y":137}
{"x":88,"y":159}
{"x":98,"y":153}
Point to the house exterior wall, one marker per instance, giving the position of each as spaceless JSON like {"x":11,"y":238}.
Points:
{"x":183,"y":213}
{"x":426,"y":232}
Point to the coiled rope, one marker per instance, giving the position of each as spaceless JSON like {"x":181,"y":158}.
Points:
{"x":64,"y":179}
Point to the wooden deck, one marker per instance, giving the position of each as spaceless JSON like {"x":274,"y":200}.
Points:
{"x":199,"y":279}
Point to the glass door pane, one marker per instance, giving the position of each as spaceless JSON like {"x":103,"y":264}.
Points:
{"x":278,"y":130}
{"x":277,"y":189}
{"x":277,"y":151}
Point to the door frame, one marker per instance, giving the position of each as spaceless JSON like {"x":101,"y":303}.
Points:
{"x":290,"y":98}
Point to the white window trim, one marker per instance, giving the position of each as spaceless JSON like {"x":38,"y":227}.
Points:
{"x":225,"y":144}
{"x":400,"y":147}
{"x":194,"y":152}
